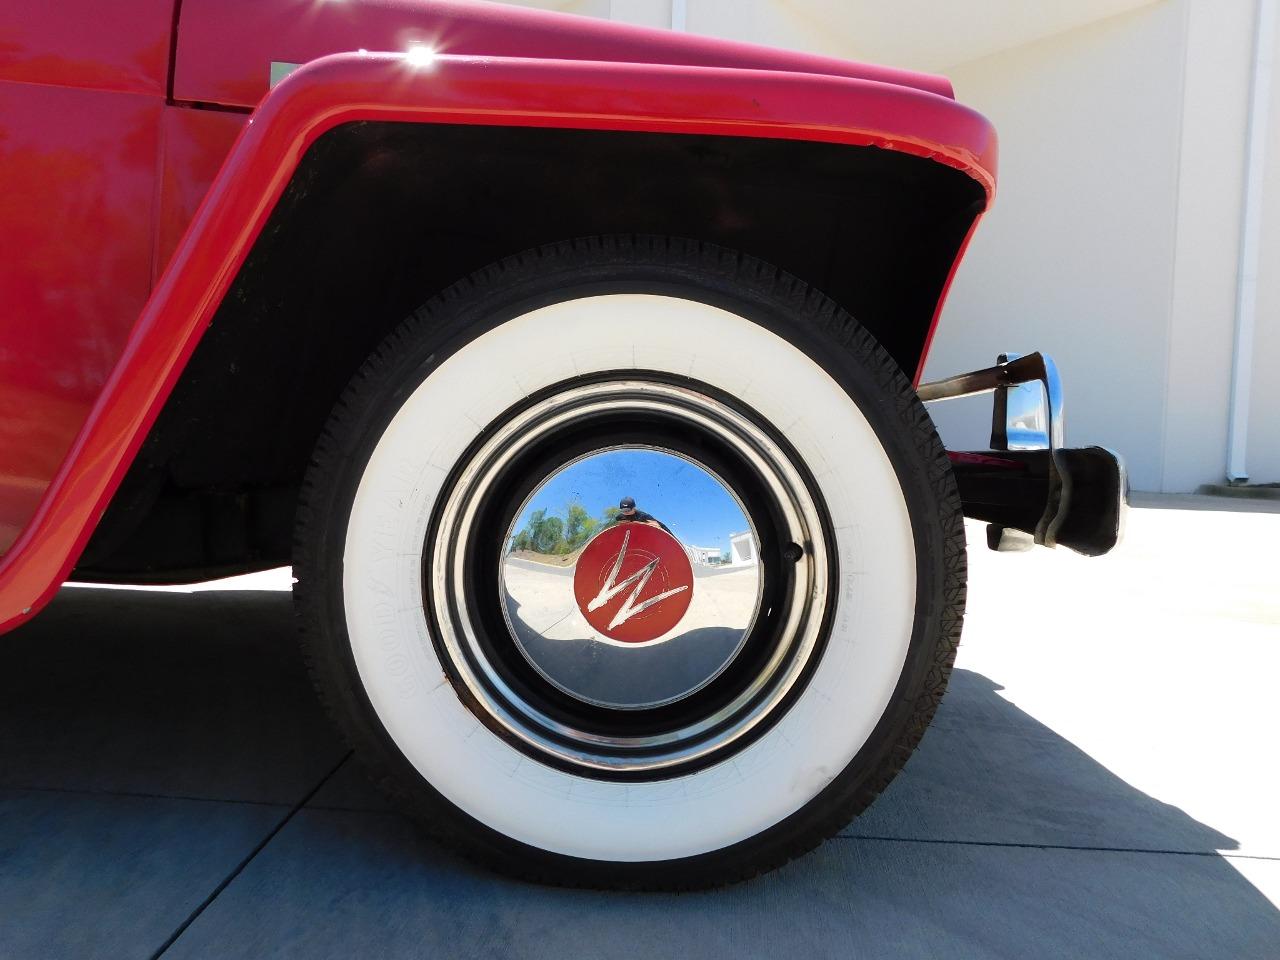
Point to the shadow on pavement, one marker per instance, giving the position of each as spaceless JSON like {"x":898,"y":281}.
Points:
{"x":151,"y":742}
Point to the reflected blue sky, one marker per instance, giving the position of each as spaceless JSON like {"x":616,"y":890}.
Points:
{"x":699,"y":511}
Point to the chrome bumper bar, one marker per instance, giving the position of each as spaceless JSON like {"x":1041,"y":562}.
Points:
{"x":1029,"y":487}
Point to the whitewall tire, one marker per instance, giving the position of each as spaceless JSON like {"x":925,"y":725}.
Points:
{"x":688,"y":348}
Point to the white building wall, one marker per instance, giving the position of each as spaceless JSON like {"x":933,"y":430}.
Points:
{"x":1264,"y":413}
{"x":1197,"y":382}
{"x":1114,"y":241}
{"x":1076,"y":256}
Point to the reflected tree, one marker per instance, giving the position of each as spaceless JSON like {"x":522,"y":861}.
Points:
{"x":579,"y":526}
{"x":559,"y":535}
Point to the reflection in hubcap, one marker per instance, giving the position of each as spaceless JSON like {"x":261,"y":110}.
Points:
{"x":624,"y":609}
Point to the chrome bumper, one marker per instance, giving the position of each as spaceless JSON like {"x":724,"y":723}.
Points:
{"x":1028,"y":486}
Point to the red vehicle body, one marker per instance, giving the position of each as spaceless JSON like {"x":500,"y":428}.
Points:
{"x":142,"y":153}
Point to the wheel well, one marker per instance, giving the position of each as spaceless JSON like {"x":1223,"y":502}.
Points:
{"x":380,"y":216}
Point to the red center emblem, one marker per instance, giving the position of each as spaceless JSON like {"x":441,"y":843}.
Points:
{"x":633,"y":582}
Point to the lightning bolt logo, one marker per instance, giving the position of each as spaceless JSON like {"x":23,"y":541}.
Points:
{"x":612,"y":587}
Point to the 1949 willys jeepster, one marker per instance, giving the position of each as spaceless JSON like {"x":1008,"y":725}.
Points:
{"x":573,"y":366}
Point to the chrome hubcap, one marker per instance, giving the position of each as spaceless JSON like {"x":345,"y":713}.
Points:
{"x":619,"y":611}
{"x":631,"y":646}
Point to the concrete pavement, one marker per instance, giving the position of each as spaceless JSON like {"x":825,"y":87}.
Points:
{"x":1101,"y":781}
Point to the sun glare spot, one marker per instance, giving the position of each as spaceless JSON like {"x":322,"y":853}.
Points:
{"x":420,"y":56}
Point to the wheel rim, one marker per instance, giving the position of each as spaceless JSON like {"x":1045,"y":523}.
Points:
{"x":626,"y":693}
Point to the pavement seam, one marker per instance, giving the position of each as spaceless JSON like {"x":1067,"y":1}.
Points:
{"x":136,"y":795}
{"x":240,"y":867}
{"x":1227,"y":855}
{"x":363,"y":811}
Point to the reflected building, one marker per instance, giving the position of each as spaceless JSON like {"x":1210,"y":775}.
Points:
{"x":703,"y":555}
{"x":742,"y":549}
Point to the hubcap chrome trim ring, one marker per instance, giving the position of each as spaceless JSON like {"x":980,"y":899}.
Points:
{"x":496,"y":703}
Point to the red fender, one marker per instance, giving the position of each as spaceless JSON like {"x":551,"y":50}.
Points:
{"x":448,"y":89}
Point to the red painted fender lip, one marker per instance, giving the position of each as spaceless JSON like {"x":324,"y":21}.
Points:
{"x":466,"y":90}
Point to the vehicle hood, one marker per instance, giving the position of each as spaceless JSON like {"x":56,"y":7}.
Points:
{"x":225,"y":48}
